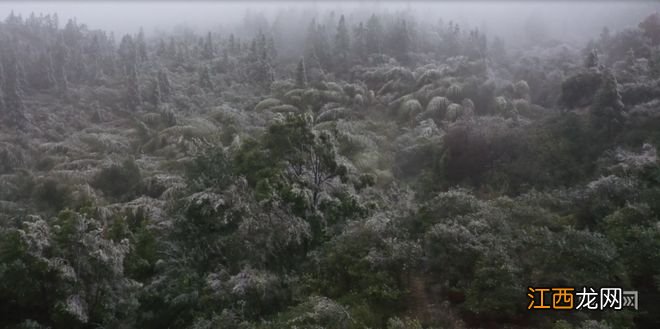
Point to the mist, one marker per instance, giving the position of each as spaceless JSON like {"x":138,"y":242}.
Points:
{"x":568,"y":21}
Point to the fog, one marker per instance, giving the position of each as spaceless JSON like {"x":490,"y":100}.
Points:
{"x":566,"y":21}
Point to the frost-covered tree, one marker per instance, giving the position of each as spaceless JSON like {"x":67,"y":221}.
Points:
{"x":141,"y":45}
{"x":374,"y":35}
{"x":342,"y":45}
{"x":208,"y":50}
{"x":14,"y":107}
{"x":164,"y":84}
{"x":205,"y":78}
{"x":59,"y":67}
{"x":301,"y":74}
{"x":133,"y":95}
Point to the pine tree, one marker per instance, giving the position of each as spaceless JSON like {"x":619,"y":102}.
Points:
{"x":44,"y":76}
{"x":271,"y":49}
{"x":164,"y":85}
{"x":172,"y":49}
{"x":141,"y":46}
{"x":400,"y":42}
{"x":360,"y":49}
{"x":208,"y":49}
{"x":342,"y":45}
{"x":374,"y":35}
{"x":301,"y":74}
{"x":59,"y":68}
{"x":128,"y":55}
{"x":156,"y":94}
{"x":162,"y":48}
{"x":232,"y":45}
{"x":133,"y":98}
{"x":13,"y":94}
{"x":205,"y":78}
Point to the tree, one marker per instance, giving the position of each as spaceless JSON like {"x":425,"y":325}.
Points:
{"x":208,"y":50}
{"x":301,"y":74}
{"x":13,"y":93}
{"x":156,"y":94}
{"x":651,"y":27}
{"x":342,"y":45}
{"x":400,"y":42}
{"x":591,"y":61}
{"x":205,"y":78}
{"x":164,"y":85}
{"x":59,"y":62}
{"x":133,"y":97}
{"x":44,"y":75}
{"x":317,"y":47}
{"x":607,"y":109}
{"x":374,"y":36}
{"x":360,"y":48}
{"x":141,"y":46}
{"x":128,"y":53}
{"x":260,"y":69}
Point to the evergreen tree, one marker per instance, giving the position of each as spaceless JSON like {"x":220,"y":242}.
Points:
{"x":232,"y":45}
{"x":208,"y":50}
{"x":156,"y":94}
{"x":400,"y":42}
{"x":141,"y":47}
{"x":44,"y":76}
{"x":360,"y":49}
{"x":59,"y":64}
{"x":205,"y":78}
{"x":271,"y":49}
{"x":133,"y":98}
{"x":13,"y":94}
{"x":374,"y":35}
{"x":342,"y":45}
{"x":172,"y":49}
{"x":607,"y":110}
{"x":128,"y":54}
{"x":164,"y":85}
{"x":162,"y":48}
{"x":301,"y":74}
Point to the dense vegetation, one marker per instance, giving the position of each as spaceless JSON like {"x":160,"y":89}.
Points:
{"x":384,"y":173}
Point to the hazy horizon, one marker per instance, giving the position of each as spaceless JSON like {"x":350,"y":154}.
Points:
{"x":505,"y":19}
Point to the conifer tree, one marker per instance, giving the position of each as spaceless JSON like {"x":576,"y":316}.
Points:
{"x":45,"y":76}
{"x":342,"y":45}
{"x":156,"y":94}
{"x":232,"y":45}
{"x":374,"y":35}
{"x":208,"y":50}
{"x":133,"y":98}
{"x":301,"y":74}
{"x":141,"y":46}
{"x":162,"y":48}
{"x":360,"y":49}
{"x":164,"y":85}
{"x":13,"y":94}
{"x":205,"y":78}
{"x":400,"y":42}
{"x":59,"y":70}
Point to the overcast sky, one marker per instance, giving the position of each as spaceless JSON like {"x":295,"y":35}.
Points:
{"x":564,"y":19}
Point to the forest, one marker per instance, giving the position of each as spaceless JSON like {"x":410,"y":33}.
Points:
{"x":340,"y":170}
